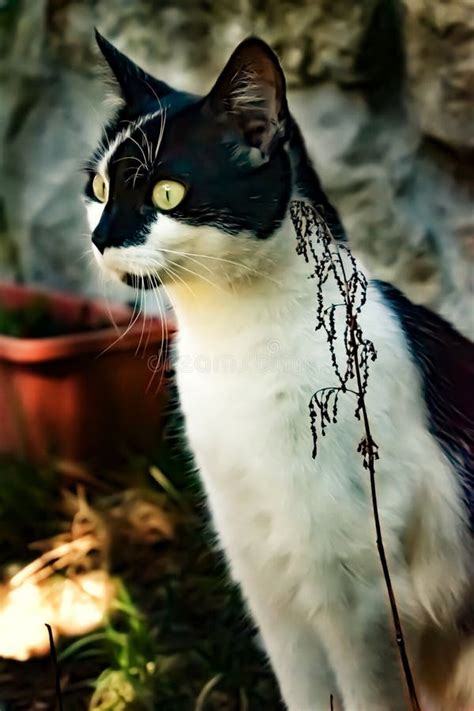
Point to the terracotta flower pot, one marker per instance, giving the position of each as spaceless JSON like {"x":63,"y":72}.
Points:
{"x":91,"y":394}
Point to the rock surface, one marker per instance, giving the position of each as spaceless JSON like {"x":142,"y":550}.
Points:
{"x":384,"y":94}
{"x":439,"y":48}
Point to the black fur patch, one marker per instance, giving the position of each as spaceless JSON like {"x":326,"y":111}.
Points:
{"x":308,"y":185}
{"x":240,"y":162}
{"x":222,"y":191}
{"x":445,"y":360}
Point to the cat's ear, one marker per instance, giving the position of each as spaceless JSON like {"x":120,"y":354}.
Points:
{"x":250,"y":95}
{"x":137,"y":88}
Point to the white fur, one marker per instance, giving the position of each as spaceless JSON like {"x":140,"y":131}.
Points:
{"x":94,"y":213}
{"x":129,"y":131}
{"x":299,"y":533}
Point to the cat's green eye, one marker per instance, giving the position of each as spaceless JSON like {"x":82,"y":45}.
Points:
{"x":100,"y":188}
{"x":167,"y":194}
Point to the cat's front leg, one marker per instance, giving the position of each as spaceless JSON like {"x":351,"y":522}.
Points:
{"x":362,"y":651}
{"x":297,"y":656}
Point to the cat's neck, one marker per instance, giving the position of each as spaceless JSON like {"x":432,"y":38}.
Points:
{"x":278,"y":295}
{"x":275,"y":285}
{"x":275,"y":290}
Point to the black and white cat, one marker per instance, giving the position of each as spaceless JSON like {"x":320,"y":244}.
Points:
{"x":194,"y":193}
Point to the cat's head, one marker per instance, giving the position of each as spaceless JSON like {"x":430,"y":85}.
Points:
{"x":183,"y":184}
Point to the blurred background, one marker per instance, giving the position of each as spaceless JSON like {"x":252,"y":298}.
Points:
{"x":104,"y":535}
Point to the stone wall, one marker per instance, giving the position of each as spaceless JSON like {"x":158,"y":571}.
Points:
{"x":383,"y":89}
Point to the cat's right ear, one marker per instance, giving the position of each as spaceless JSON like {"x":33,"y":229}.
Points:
{"x":136,"y":87}
{"x":249,"y":98}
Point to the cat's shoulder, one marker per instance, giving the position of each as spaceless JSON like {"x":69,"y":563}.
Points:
{"x":445,"y":361}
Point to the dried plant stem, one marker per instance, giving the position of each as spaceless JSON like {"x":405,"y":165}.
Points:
{"x":371,"y":458}
{"x":57,"y":675}
{"x":359,"y":350}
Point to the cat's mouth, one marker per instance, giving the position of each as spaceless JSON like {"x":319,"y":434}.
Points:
{"x":125,"y":270}
{"x":140,"y":282}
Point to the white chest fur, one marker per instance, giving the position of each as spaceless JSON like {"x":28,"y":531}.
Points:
{"x":247,"y":368}
{"x":298,"y":532}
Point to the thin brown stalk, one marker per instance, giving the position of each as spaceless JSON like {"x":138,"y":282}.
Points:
{"x":359,"y":351}
{"x":370,"y":459}
{"x":57,"y":673}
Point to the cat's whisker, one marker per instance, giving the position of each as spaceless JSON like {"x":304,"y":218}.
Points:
{"x":134,"y":172}
{"x":172,"y":273}
{"x":104,"y":283}
{"x":133,"y":319}
{"x":151,"y":258}
{"x":162,"y":117}
{"x":153,"y":282}
{"x":161,"y":133}
{"x":164,"y":336}
{"x":196,"y":274}
{"x":107,"y":302}
{"x":222,"y":259}
{"x":149,"y":320}
{"x":174,"y":277}
{"x":153,"y":92}
{"x":135,"y":177}
{"x":137,"y":171}
{"x":118,"y":160}
{"x":144,"y":163}
{"x":147,"y":145}
{"x":88,"y":254}
{"x":142,"y":311}
{"x":188,"y":256}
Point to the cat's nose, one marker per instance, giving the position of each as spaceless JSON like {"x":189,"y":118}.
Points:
{"x":117,"y":226}
{"x":100,"y":239}
{"x":102,"y":235}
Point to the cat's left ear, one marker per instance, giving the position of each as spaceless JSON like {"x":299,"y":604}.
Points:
{"x":136,"y":87}
{"x":250,"y":97}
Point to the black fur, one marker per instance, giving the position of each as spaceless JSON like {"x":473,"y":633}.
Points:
{"x":138,"y":89}
{"x":445,"y":360}
{"x":206,"y":150}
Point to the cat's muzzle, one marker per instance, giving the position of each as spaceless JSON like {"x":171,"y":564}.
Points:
{"x":140,"y":282}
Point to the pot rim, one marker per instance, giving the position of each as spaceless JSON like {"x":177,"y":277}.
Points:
{"x":104,"y":341}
